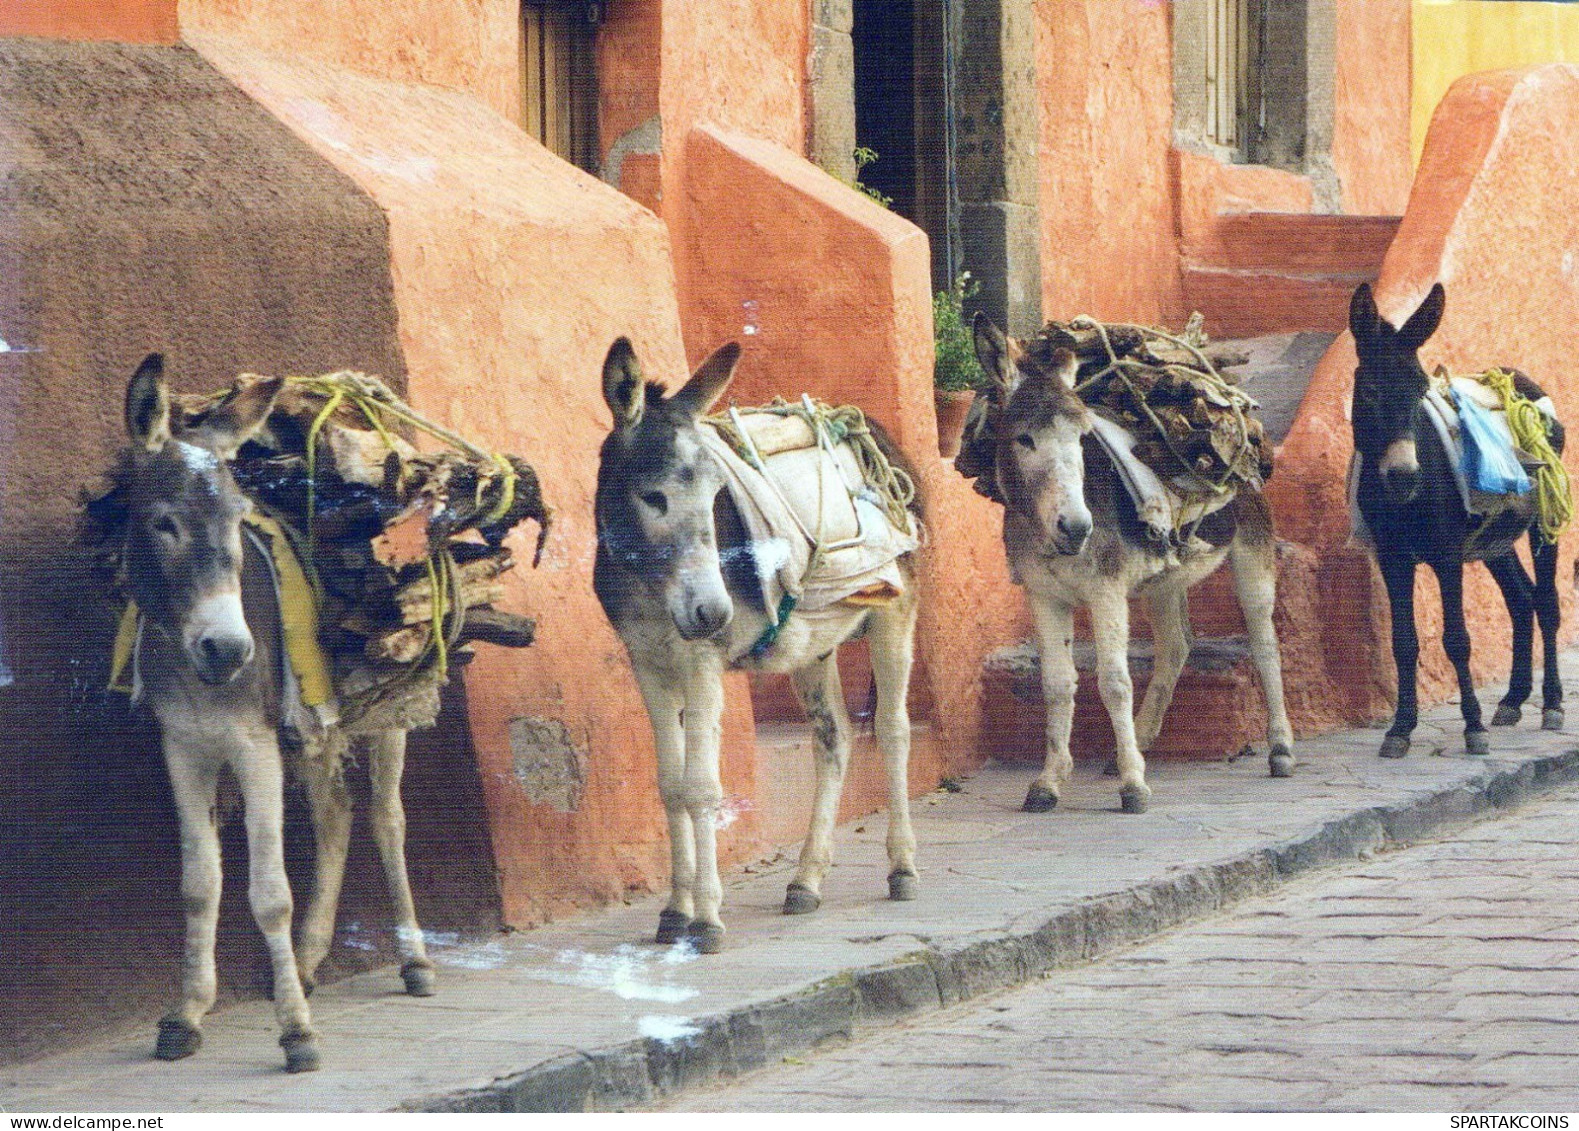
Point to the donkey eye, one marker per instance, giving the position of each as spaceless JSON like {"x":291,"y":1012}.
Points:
{"x":167,"y":527}
{"x":657,"y":501}
{"x":1025,"y":440}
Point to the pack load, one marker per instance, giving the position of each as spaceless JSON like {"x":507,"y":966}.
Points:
{"x":825,"y":506}
{"x":1182,"y":434}
{"x":402,"y":550}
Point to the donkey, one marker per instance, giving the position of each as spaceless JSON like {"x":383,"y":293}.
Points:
{"x":1073,"y":538}
{"x":1409,"y":498}
{"x":675,"y":575}
{"x":208,"y":663}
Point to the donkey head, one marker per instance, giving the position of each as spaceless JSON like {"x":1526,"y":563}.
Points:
{"x":1040,"y":422}
{"x":183,"y":534}
{"x":1388,"y":386}
{"x":656,"y":487}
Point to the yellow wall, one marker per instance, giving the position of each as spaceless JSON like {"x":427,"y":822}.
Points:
{"x":1458,"y":37}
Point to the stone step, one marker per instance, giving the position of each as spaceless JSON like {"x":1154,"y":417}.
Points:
{"x":1241,"y":303}
{"x":1278,"y":373}
{"x":1302,"y":243}
{"x":1217,"y":705}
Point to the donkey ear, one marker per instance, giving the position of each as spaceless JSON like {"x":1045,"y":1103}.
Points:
{"x":1365,"y":321}
{"x":1424,"y":321}
{"x":1065,"y":368}
{"x":240,"y":416}
{"x":709,"y":381}
{"x":623,"y":387}
{"x":148,"y":405}
{"x":995,"y":352}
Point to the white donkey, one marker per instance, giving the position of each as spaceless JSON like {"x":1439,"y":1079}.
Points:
{"x":208,"y":663}
{"x":1073,"y":538}
{"x":676,"y":573}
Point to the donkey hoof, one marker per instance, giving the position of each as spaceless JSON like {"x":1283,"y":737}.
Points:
{"x":903,"y":886}
{"x":1394,"y":746}
{"x":1134,"y":798}
{"x":672,"y":925}
{"x":800,"y":900}
{"x":301,"y":1051}
{"x":1040,"y":799}
{"x":1552,"y":718}
{"x":418,"y":977}
{"x":1507,"y":715}
{"x":178,"y":1038}
{"x":707,"y":938}
{"x":1111,"y":769}
{"x":1281,"y":762}
{"x":1478,"y":743}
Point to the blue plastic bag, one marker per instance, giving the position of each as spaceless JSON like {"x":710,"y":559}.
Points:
{"x":1490,"y":464}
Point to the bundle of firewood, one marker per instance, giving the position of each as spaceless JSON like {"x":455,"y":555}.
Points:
{"x":404,"y":548}
{"x":1194,"y":426}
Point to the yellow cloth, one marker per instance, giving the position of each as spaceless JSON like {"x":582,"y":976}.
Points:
{"x":298,"y":618}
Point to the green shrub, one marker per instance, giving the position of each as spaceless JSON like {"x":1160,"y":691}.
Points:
{"x":954,"y":367}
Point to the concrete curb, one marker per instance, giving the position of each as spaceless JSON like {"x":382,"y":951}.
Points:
{"x":756,"y":1035}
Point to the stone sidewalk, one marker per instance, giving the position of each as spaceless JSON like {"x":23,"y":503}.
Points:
{"x":589,"y":1014}
{"x":1441,"y":978}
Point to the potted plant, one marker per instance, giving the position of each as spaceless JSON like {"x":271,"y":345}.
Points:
{"x":955,"y":373}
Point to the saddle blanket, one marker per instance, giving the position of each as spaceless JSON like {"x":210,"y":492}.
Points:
{"x":819,"y":531}
{"x":1444,"y":417}
{"x":1167,"y":510}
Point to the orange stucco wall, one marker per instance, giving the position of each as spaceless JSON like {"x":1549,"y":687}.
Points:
{"x":468,"y":45}
{"x":1109,"y":247}
{"x":486,"y":241}
{"x":128,"y":21}
{"x":1370,"y":132}
{"x":1493,"y":217}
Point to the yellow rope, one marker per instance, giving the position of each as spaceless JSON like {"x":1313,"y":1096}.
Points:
{"x":1554,"y":506}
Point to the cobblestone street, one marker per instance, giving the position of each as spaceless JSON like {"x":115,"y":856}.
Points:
{"x":1443,"y":977}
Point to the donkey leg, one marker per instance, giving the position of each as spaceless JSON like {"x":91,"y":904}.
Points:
{"x":386,"y":763}
{"x":817,"y":687}
{"x":1055,"y":638}
{"x":1255,"y":585}
{"x":261,"y":776}
{"x":1549,"y":610}
{"x":194,"y":779}
{"x":664,"y":699}
{"x":1110,"y":628}
{"x":1455,"y":641}
{"x":1398,"y":573}
{"x":893,"y":653}
{"x":330,"y":805}
{"x":703,"y":790}
{"x":1170,"y":620}
{"x":1518,"y":593}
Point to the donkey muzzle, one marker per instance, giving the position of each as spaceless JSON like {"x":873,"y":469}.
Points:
{"x":1401,"y":483}
{"x":705,"y":618}
{"x":218,"y":642}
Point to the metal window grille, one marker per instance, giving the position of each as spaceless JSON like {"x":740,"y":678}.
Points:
{"x":559,"y":86}
{"x":1227,"y":67}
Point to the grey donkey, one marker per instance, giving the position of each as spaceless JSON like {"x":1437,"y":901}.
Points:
{"x":209,"y":667}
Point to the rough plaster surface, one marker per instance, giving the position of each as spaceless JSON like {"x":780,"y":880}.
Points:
{"x":125,"y":21}
{"x":467,"y":45}
{"x":146,"y":203}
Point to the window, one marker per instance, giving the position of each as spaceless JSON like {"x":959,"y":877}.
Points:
{"x":559,"y":89}
{"x":1227,"y":64}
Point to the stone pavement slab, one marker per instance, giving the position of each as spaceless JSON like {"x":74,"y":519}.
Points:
{"x":589,"y":1013}
{"x":1140,"y":1029}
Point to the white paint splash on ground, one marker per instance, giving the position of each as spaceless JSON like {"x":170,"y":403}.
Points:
{"x":666,"y":1028}
{"x":729,"y":811}
{"x":629,"y":972}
